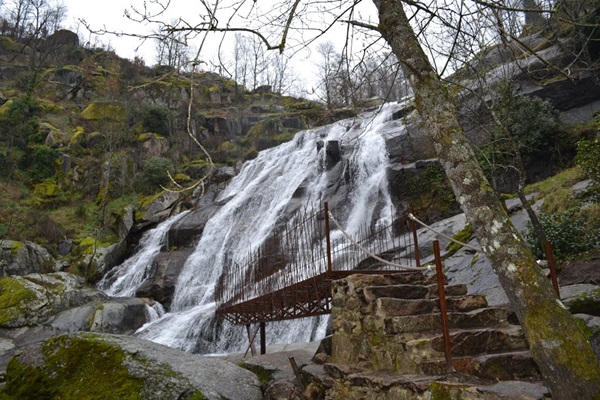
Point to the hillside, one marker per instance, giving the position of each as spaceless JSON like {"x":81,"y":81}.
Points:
{"x":83,"y":133}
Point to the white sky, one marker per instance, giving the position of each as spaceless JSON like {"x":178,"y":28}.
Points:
{"x":107,"y":14}
{"x":110,"y":14}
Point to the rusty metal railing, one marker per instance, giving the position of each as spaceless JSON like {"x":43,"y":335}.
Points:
{"x":288,"y":275}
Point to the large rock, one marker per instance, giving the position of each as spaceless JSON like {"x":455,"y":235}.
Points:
{"x":161,"y":286}
{"x":119,"y":316}
{"x":161,"y":207}
{"x":98,"y":366}
{"x":22,"y":258}
{"x":188,"y":229}
{"x":103,"y":259}
{"x":34,"y":299}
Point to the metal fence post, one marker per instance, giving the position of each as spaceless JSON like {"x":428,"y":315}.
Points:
{"x":443,"y":307}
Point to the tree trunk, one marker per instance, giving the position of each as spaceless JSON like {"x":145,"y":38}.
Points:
{"x":559,"y":347}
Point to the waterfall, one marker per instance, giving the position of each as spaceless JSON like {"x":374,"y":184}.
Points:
{"x":255,"y":201}
{"x":124,"y":279}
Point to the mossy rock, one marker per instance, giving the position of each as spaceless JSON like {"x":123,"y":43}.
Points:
{"x":33,"y":299}
{"x":77,"y":133}
{"x":47,"y":189}
{"x":50,"y":107}
{"x":461,"y":236}
{"x":102,"y":366}
{"x":6,"y":106}
{"x":98,"y":111}
{"x":8,"y":44}
{"x":586,"y":303}
{"x":16,"y":297}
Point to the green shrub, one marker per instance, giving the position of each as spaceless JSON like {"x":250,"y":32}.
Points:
{"x":39,"y":162}
{"x":570,"y":234}
{"x":155,"y":119}
{"x":155,"y":172}
{"x":18,"y":121}
{"x":588,"y":156}
{"x":534,"y":124}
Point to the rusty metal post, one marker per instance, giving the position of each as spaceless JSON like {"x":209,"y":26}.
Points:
{"x":552,"y":267}
{"x":263,"y":338}
{"x":416,"y":240}
{"x":251,"y":339}
{"x":328,"y":238}
{"x":443,"y":308}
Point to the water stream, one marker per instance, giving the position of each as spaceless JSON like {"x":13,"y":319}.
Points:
{"x":258,"y":199}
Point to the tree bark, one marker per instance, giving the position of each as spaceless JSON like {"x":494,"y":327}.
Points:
{"x":559,"y":347}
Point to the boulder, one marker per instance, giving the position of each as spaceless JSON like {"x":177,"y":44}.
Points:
{"x":102,"y":259}
{"x":35,"y":298}
{"x":125,"y":221}
{"x":22,"y":258}
{"x":124,"y":315}
{"x":88,"y":365}
{"x":161,"y":286}
{"x":63,"y":37}
{"x":160,"y":207}
{"x":153,"y":145}
{"x":188,"y":229}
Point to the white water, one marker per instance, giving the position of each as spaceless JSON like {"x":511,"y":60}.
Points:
{"x":257,"y":200}
{"x":124,"y":279}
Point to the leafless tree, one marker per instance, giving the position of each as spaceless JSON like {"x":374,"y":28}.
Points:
{"x":35,"y":19}
{"x":427,"y":39}
{"x":172,"y":49}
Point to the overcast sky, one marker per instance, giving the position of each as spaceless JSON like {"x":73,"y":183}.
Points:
{"x":110,"y":14}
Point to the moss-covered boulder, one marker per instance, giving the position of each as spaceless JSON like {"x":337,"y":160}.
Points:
{"x":102,"y":366}
{"x":22,"y":258}
{"x":107,"y":111}
{"x":34,"y":299}
{"x":587,"y":302}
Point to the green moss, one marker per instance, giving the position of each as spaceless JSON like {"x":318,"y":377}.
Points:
{"x":587,"y":303}
{"x":75,"y":368}
{"x":148,"y":135}
{"x":15,"y":247}
{"x":47,"y":188}
{"x":104,"y":111}
{"x":462,"y":236}
{"x":50,"y":107}
{"x":14,"y":297}
{"x":568,"y":349}
{"x":78,"y":132}
{"x":442,"y":391}
{"x":264,"y":376}
{"x":6,"y":107}
{"x":146,"y":201}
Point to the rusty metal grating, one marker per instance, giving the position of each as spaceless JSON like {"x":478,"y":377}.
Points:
{"x":290,"y":275}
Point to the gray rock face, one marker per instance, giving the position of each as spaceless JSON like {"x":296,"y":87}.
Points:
{"x":34,"y":299}
{"x":119,"y":316}
{"x":22,"y":258}
{"x":123,"y":366}
{"x":161,"y":207}
{"x":162,"y":285}
{"x":186,"y":231}
{"x":105,"y":258}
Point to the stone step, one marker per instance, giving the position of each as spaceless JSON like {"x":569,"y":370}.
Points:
{"x":517,"y":365}
{"x":426,"y":352}
{"x":361,"y":281}
{"x":356,"y":383}
{"x":479,"y":318}
{"x":483,"y":341}
{"x":408,"y":291}
{"x":393,"y":307}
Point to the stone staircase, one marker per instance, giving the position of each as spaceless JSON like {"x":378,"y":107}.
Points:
{"x":392,"y":324}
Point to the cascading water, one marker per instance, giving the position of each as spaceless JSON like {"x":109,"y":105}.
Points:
{"x":124,"y":279}
{"x":256,"y":201}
